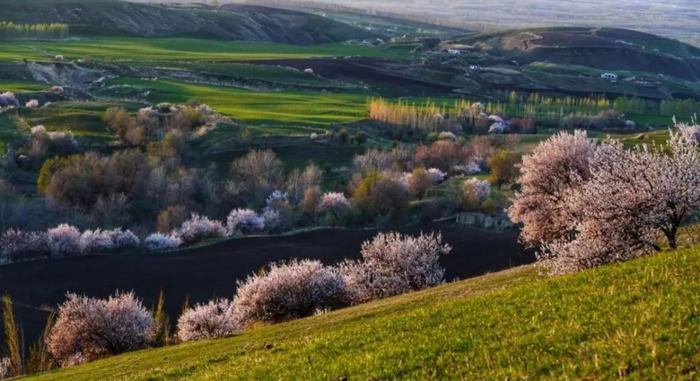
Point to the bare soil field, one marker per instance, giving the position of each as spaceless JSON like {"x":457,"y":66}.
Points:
{"x":201,"y":273}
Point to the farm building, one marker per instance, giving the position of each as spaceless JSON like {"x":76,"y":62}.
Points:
{"x":609,"y":76}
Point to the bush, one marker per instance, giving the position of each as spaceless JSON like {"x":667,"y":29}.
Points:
{"x":419,"y":181}
{"x":97,"y":240}
{"x":171,"y":218}
{"x":244,"y":221}
{"x":335,"y":203}
{"x":475,"y":192}
{"x":503,"y":167}
{"x":400,"y":158}
{"x":158,"y":242}
{"x":287,"y":291}
{"x":63,"y":240}
{"x":8,"y":99}
{"x":15,"y":242}
{"x":259,"y":171}
{"x":207,"y":321}
{"x":394,"y":264}
{"x":443,"y":155}
{"x":199,"y":228}
{"x":87,"y":329}
{"x":382,"y":195}
{"x":436,"y":176}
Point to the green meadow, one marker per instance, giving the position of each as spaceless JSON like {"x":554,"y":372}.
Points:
{"x":180,"y":49}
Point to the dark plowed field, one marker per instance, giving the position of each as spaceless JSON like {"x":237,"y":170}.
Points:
{"x":386,"y":77}
{"x":212,"y":271}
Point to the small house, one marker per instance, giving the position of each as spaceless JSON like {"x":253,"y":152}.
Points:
{"x":454,"y":52}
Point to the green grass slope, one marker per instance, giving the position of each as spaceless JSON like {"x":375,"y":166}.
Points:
{"x":228,"y":22}
{"x":637,"y":320}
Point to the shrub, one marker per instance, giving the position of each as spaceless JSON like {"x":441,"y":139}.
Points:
{"x":287,"y":291}
{"x":107,"y":240}
{"x":299,"y":182}
{"x":360,"y":138}
{"x":258,"y":171}
{"x":419,"y":182}
{"x":158,"y":242}
{"x":343,"y":136}
{"x":443,"y":155}
{"x":87,"y":329}
{"x":383,"y":160}
{"x":272,"y":220}
{"x":475,"y":192}
{"x":470,"y":168}
{"x":8,"y":99}
{"x":63,"y":240}
{"x":382,"y":195}
{"x":436,"y":176}
{"x":335,"y":203}
{"x":312,"y":199}
{"x":199,"y":228}
{"x":504,"y":168}
{"x":171,"y":218}
{"x":207,"y":321}
{"x":15,"y":242}
{"x":244,"y":221}
{"x":394,"y":264}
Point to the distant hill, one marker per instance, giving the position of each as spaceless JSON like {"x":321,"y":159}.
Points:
{"x":231,"y":22}
{"x":600,"y":48}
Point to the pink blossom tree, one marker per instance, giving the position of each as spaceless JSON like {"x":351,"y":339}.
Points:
{"x":621,"y":204}
{"x":335,"y":203}
{"x":87,"y":328}
{"x":549,"y":175}
{"x":207,"y":321}
{"x":287,"y":291}
{"x":394,"y":264}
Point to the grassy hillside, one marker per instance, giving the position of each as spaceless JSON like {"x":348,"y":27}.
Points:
{"x":638,"y":320}
{"x":239,"y":22}
{"x":178,"y":49}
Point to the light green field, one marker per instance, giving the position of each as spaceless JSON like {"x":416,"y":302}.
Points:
{"x":634,"y":321}
{"x":281,"y":109}
{"x":22,"y":87}
{"x":179,"y":49}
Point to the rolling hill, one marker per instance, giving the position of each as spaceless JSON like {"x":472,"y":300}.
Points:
{"x":599,"y":48}
{"x":637,"y":320}
{"x":229,"y":22}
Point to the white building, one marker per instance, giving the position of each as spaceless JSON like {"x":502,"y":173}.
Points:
{"x":609,"y":76}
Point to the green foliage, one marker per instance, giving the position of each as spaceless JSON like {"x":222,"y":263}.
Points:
{"x":636,"y":320}
{"x":12,"y":31}
{"x":39,"y":358}
{"x":13,"y":346}
{"x":161,"y":322}
{"x":503,"y":167}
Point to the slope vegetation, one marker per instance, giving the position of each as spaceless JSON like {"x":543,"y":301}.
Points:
{"x":638,"y":320}
{"x":237,"y":22}
{"x":601,"y":48}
